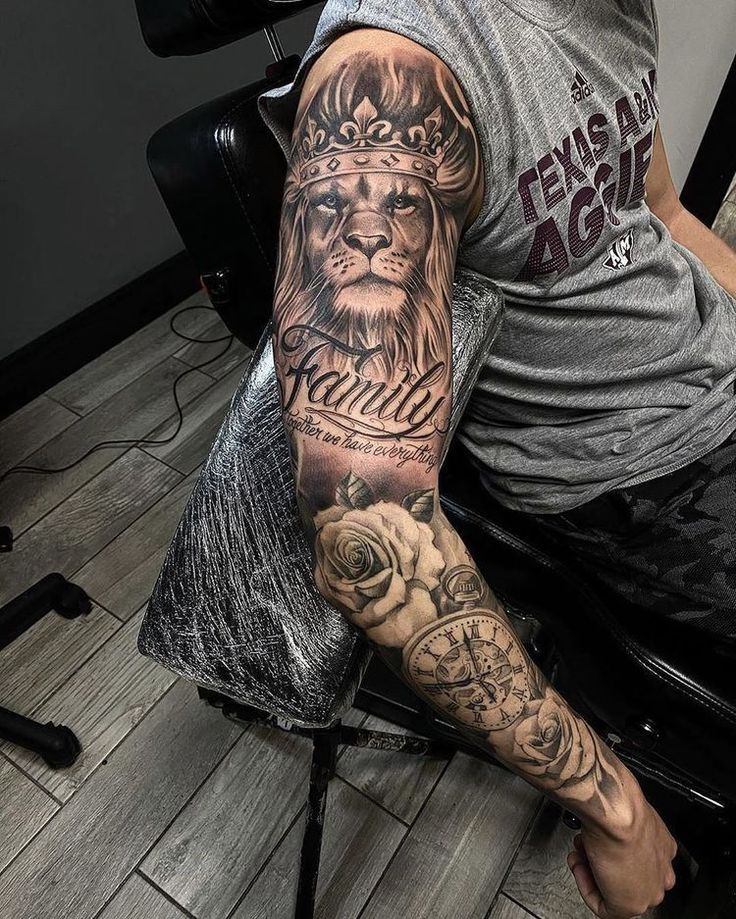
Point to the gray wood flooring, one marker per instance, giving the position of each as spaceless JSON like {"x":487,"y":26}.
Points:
{"x":172,"y":811}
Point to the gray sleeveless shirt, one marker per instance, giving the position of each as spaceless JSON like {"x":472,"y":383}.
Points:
{"x":616,"y":360}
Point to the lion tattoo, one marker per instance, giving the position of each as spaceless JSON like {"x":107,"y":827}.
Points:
{"x":372,"y":211}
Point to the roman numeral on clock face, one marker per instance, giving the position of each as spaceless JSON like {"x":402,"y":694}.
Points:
{"x":419,"y":672}
{"x":427,"y":650}
{"x":519,"y":693}
{"x":474,"y":631}
{"x":450,"y":637}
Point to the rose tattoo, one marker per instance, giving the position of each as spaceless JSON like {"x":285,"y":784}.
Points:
{"x":559,"y":748}
{"x":380,"y":561}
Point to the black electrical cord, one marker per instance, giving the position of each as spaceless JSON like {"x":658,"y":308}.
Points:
{"x":140,"y":442}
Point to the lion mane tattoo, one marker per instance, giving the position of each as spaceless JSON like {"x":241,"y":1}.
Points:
{"x":372,"y":213}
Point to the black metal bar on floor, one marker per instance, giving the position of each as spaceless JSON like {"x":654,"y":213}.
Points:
{"x":51,"y":592}
{"x":56,"y":744}
{"x":324,"y":754}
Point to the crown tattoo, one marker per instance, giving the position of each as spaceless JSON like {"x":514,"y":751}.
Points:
{"x":367,"y":143}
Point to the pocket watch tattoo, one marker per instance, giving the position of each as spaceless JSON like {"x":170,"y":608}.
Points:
{"x":471,"y":666}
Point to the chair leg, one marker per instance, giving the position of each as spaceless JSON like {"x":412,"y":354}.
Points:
{"x":324,"y":755}
{"x":58,"y":745}
{"x":51,"y":592}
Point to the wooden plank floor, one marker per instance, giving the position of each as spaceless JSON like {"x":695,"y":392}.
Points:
{"x":172,"y":811}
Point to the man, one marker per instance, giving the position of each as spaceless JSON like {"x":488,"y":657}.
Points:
{"x":519,"y":138}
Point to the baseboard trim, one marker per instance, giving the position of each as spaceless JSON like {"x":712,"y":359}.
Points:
{"x":34,"y":368}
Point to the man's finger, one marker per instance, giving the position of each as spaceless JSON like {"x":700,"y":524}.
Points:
{"x":588,"y":888}
{"x":574,"y":858}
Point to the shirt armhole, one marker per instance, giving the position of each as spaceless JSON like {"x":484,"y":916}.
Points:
{"x":655,"y":21}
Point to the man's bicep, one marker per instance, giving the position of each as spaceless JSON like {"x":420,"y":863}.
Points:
{"x":383,"y":175}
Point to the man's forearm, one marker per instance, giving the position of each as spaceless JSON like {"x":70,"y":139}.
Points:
{"x":400,"y":572}
{"x":716,"y":255}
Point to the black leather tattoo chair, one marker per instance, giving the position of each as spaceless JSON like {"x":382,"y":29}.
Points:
{"x":234,"y":609}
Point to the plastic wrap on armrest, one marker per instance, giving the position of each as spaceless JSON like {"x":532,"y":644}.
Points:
{"x":235,"y":608}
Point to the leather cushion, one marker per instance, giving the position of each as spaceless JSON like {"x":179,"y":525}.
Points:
{"x":235,"y":608}
{"x":203,"y":163}
{"x":179,"y":27}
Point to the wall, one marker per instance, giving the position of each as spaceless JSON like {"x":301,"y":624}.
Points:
{"x":81,"y":94}
{"x":697,"y":46}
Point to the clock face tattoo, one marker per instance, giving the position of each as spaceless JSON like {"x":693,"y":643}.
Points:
{"x":472,"y":667}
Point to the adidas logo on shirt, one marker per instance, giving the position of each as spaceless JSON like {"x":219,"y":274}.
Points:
{"x":580,"y":88}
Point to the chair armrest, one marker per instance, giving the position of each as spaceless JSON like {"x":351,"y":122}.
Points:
{"x":235,"y":608}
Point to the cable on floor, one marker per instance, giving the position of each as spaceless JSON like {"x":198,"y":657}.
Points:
{"x":144,"y":442}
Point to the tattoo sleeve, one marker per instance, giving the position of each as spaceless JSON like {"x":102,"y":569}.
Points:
{"x":382,"y":175}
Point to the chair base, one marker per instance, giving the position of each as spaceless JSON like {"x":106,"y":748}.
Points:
{"x":324,"y":758}
{"x":56,"y":744}
{"x":52,"y":592}
{"x":325,"y":744}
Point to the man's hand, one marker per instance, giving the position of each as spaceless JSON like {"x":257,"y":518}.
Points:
{"x":622,"y":871}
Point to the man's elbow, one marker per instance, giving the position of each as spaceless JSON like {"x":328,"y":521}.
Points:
{"x":378,"y":561}
{"x":670,"y":210}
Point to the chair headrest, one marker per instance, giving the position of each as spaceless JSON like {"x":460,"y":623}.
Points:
{"x":177,"y":27}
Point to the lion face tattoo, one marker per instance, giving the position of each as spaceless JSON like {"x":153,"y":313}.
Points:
{"x":367,"y":238}
{"x":371,"y":215}
{"x":369,"y":235}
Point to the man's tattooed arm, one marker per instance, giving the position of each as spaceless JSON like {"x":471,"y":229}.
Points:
{"x":384,"y":174}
